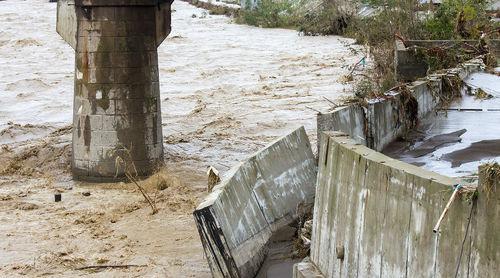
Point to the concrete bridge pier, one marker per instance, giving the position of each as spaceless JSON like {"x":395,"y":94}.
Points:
{"x":116,"y":113}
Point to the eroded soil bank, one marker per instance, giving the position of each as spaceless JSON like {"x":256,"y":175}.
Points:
{"x":227,"y":90}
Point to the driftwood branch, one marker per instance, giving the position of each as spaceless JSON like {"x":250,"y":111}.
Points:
{"x":108,"y":266}
{"x":143,"y":192}
{"x":331,"y":101}
{"x":403,"y":40}
{"x":315,"y":110}
{"x":131,"y":176}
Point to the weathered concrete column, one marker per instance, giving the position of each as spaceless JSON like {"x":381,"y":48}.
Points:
{"x":117,"y":98}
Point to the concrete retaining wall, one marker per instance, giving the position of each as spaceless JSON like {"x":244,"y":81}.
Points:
{"x":391,"y":117}
{"x":256,"y":198}
{"x":383,"y":120}
{"x":348,"y":119}
{"x":373,"y":217}
{"x":485,"y":255}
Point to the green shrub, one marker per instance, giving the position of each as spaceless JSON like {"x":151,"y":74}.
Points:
{"x":327,"y":20}
{"x":271,"y":14}
{"x":458,"y":19}
{"x":378,"y":31}
{"x":406,"y":19}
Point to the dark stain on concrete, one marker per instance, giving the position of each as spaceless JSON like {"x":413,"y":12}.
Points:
{"x":104,"y":101}
{"x":87,"y":134}
{"x":211,"y":235}
{"x":79,"y":128}
{"x":155,"y":129}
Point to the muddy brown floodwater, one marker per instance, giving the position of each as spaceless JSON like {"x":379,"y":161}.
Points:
{"x":227,"y":90}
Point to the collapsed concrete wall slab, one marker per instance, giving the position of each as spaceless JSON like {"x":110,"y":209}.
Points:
{"x":256,"y":198}
{"x":373,"y":217}
{"x":306,"y":269}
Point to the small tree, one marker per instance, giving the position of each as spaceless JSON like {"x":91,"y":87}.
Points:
{"x":458,"y":19}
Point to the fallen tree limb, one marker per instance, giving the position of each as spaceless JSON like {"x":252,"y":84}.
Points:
{"x":143,"y":192}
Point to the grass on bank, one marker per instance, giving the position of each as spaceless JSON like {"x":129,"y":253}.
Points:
{"x":271,"y":14}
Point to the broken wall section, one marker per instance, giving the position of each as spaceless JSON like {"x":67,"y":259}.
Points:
{"x":380,"y":121}
{"x":257,"y":198}
{"x":373,"y":217}
{"x":409,"y":65}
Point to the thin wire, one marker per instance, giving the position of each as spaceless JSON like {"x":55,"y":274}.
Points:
{"x":465,"y":238}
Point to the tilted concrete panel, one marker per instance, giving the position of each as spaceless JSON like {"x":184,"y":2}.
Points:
{"x":256,"y":198}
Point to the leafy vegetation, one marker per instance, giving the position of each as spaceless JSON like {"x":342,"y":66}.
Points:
{"x":329,"y":18}
{"x":272,"y":14}
{"x":457,"y":19}
{"x":309,"y":17}
{"x":407,"y":19}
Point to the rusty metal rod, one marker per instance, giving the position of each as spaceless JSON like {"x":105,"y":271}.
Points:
{"x":452,"y":198}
